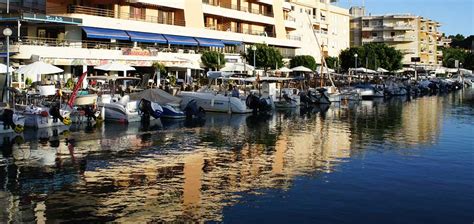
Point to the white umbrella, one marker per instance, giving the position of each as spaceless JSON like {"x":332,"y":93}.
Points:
{"x":237,"y":67}
{"x":465,"y":71}
{"x":382,"y":70}
{"x":325,"y":70}
{"x":3,"y":69}
{"x":38,"y":68}
{"x":364,"y":70}
{"x":284,"y":70}
{"x":114,"y":66}
{"x":301,"y":69}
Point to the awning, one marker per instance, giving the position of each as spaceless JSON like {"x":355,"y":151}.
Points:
{"x":147,"y":37}
{"x":101,"y":33}
{"x":181,"y":40}
{"x":231,"y":42}
{"x":207,"y":42}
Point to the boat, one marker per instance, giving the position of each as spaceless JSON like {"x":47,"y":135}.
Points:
{"x":214,"y":102}
{"x":42,"y":116}
{"x":170,"y":105}
{"x":119,"y":108}
{"x":315,"y":96}
{"x":369,"y":92}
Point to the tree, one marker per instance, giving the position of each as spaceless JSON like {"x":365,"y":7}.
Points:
{"x":304,"y":60}
{"x":464,"y":43}
{"x":450,"y":55}
{"x":372,"y":56}
{"x":332,"y":62}
{"x":458,"y":37}
{"x":469,"y":61}
{"x":213,"y":60}
{"x":266,"y":57}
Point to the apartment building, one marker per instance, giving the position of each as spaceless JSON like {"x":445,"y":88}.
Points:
{"x":322,"y":27}
{"x":79,"y":34}
{"x":414,"y":36}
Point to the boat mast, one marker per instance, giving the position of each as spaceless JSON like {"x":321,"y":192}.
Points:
{"x":323,"y":60}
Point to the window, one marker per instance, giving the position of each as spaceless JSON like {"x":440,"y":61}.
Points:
{"x":392,"y":34}
{"x":374,"y":34}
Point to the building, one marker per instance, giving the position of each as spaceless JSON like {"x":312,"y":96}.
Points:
{"x":319,"y":23}
{"x":77,"y":35}
{"x":414,"y":36}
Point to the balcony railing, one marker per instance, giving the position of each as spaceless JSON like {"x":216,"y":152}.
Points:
{"x":293,"y":37}
{"x":238,"y":8}
{"x":113,"y":14}
{"x":107,"y":45}
{"x":244,"y":31}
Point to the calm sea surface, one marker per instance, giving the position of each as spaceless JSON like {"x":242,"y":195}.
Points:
{"x":396,"y":161}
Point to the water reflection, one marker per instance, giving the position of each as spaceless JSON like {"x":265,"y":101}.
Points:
{"x":191,"y":170}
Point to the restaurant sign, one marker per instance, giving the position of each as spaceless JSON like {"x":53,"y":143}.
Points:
{"x":139,"y":52}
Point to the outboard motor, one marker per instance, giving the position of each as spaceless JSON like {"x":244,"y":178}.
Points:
{"x":55,"y":113}
{"x":7,"y":119}
{"x":148,"y":109}
{"x":89,"y":112}
{"x":256,"y":104}
{"x":192,"y":110}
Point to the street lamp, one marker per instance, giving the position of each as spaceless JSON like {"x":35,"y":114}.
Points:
{"x":254,"y":49}
{"x":7,"y":32}
{"x":355,"y":69}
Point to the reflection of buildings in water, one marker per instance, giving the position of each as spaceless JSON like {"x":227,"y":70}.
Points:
{"x":421,"y":121}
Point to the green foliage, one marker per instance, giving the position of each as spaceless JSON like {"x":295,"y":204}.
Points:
{"x":70,"y":83}
{"x":266,"y":57}
{"x":28,"y":81}
{"x":172,"y":79}
{"x":457,"y":37}
{"x":159,"y":67}
{"x":450,"y":55}
{"x":378,"y":55}
{"x":213,"y":60}
{"x":469,"y":61}
{"x":464,"y":43}
{"x":332,"y":62}
{"x":304,"y":60}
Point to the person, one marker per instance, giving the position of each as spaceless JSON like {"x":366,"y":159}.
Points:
{"x":235,"y":92}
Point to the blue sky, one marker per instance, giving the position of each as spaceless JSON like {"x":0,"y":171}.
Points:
{"x":455,"y":16}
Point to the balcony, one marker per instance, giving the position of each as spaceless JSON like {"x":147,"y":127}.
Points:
{"x":398,"y":39}
{"x":399,"y":26}
{"x":293,"y":37}
{"x":243,"y":31}
{"x":439,"y":53}
{"x":77,"y":9}
{"x":238,"y":8}
{"x":373,"y":39}
{"x":372,"y":27}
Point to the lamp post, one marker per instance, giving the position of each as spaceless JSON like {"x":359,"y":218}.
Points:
{"x":254,"y":49}
{"x":7,"y":32}
{"x":355,"y":69}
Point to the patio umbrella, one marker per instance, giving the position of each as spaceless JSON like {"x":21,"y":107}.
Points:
{"x":284,"y":70}
{"x":301,"y":69}
{"x":3,"y":69}
{"x":38,"y":68}
{"x":114,"y":66}
{"x":237,"y":67}
{"x":382,"y":70}
{"x":325,"y":70}
{"x":364,"y":70}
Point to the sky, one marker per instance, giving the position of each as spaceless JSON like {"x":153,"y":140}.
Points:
{"x":455,"y":16}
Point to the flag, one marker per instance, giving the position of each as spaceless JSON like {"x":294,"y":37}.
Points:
{"x":76,"y":89}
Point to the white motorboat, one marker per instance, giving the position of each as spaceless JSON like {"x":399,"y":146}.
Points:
{"x":119,"y":108}
{"x":85,"y":109}
{"x":368,"y":92}
{"x":43,"y":116}
{"x":169,"y":104}
{"x":214,"y":102}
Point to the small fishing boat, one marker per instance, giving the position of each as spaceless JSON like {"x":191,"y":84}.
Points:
{"x":169,"y":104}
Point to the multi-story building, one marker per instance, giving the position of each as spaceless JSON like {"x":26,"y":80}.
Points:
{"x":414,"y":36}
{"x":319,"y":23}
{"x":77,"y":35}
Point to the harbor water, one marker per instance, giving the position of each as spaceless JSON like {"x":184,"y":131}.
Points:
{"x":382,"y":161}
